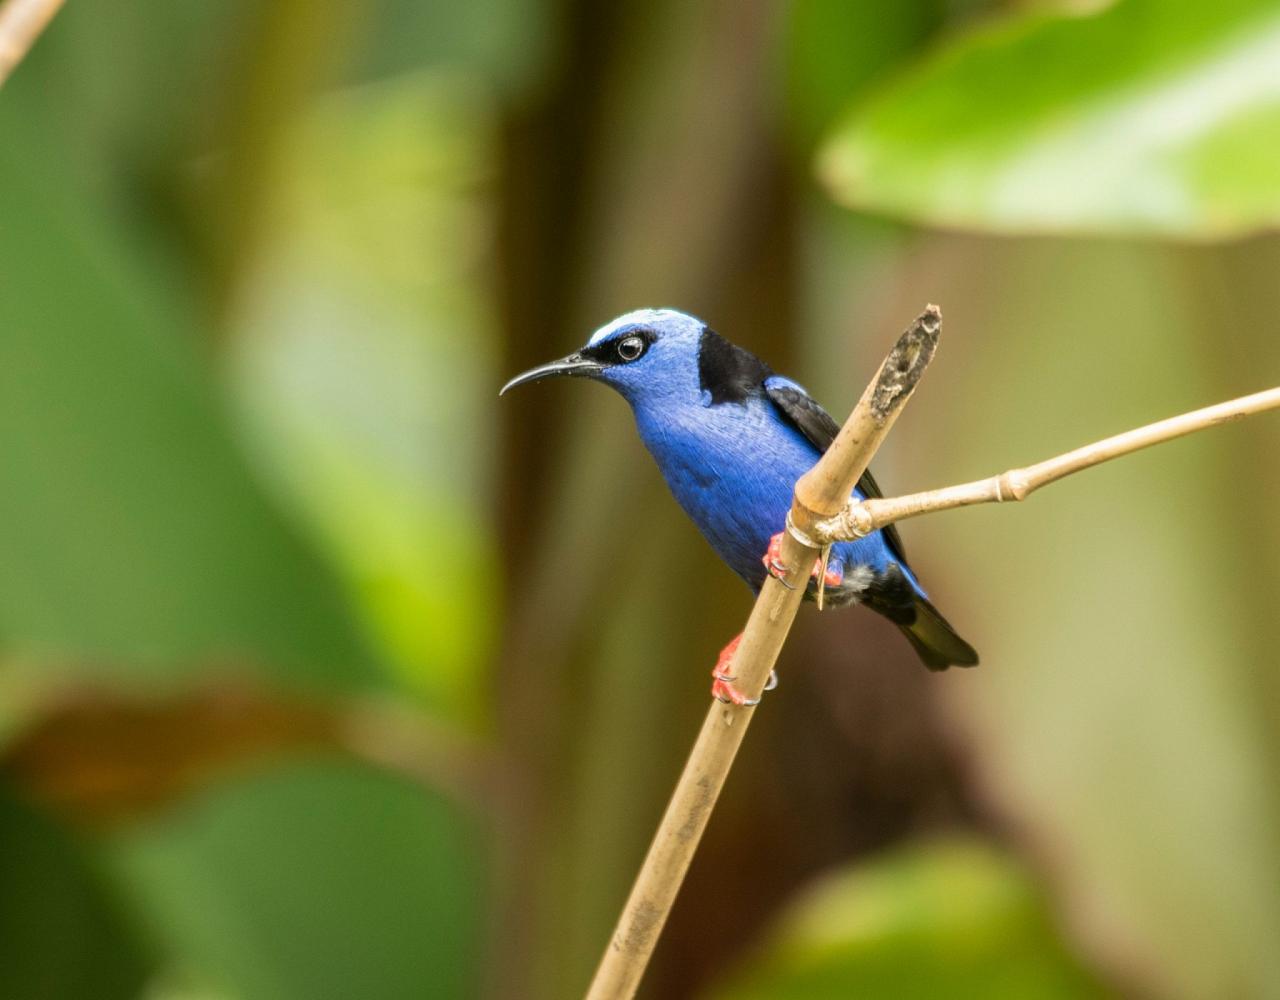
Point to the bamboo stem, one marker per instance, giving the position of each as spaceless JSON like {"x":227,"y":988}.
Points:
{"x":21,"y":22}
{"x":859,"y":519}
{"x":820,"y":493}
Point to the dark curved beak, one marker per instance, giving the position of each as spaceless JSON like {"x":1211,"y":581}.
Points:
{"x":574,"y":364}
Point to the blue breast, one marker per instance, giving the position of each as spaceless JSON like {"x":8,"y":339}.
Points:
{"x":732,"y":467}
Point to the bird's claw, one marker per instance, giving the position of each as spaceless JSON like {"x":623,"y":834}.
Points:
{"x":722,"y":688}
{"x":833,"y":575}
{"x":726,"y":693}
{"x":774,"y":564}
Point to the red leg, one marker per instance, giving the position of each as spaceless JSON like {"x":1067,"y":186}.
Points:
{"x":722,"y":688}
{"x":722,"y":685}
{"x":773,"y":558}
{"x":777,"y":568}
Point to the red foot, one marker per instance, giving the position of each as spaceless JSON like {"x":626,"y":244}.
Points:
{"x":777,"y":568}
{"x":722,"y":687}
{"x":773,"y":558}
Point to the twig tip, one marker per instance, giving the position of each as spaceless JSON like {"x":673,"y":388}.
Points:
{"x":928,"y":322}
{"x":906,"y":363}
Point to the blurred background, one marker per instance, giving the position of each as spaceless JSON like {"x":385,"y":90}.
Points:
{"x":325,"y":673}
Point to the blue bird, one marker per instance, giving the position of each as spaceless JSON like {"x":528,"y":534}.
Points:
{"x":731,"y":438}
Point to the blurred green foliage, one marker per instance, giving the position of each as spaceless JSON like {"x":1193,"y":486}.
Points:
{"x":137,"y":537}
{"x":311,"y":882}
{"x":62,"y":931}
{"x":1151,"y":116}
{"x":836,"y":50}
{"x":362,"y":343}
{"x":312,"y":652}
{"x":966,"y":922}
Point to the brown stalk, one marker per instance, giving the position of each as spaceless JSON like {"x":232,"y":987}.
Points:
{"x":859,"y":519}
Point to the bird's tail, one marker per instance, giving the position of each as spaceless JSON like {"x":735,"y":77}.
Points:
{"x":936,"y":641}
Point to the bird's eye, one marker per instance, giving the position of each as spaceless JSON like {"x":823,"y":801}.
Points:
{"x":631,"y":348}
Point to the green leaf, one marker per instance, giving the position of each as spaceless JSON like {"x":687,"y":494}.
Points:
{"x":1152,"y":116}
{"x":61,"y":935}
{"x":315,"y":881}
{"x":834,"y":49}
{"x":363,"y":360}
{"x":941,"y":921}
{"x":132,"y":530}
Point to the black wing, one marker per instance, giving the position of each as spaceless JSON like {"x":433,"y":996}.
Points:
{"x":815,"y":423}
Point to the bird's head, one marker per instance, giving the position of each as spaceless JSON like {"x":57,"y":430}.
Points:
{"x":647,"y":355}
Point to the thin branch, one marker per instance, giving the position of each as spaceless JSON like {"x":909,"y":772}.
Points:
{"x":857,"y":520}
{"x":820,"y":493}
{"x":21,"y":22}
